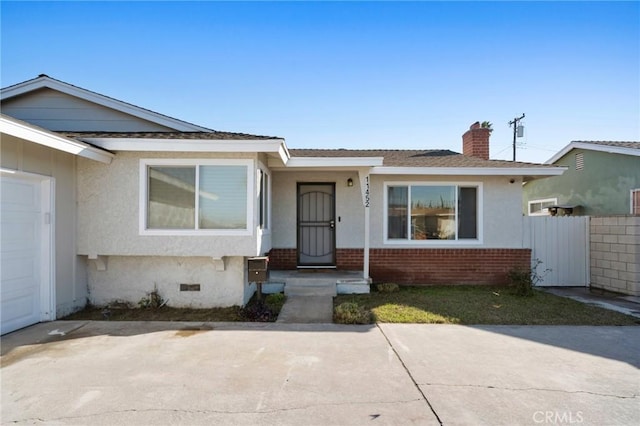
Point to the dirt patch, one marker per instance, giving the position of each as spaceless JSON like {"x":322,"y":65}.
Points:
{"x":254,"y":312}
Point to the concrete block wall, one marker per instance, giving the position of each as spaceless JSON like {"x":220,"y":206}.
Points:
{"x":615,"y":253}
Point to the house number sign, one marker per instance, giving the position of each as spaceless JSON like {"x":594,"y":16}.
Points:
{"x":367,"y":196}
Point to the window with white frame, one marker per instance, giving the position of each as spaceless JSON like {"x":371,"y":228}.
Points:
{"x":195,"y":196}
{"x":263,"y":199}
{"x":417,"y":212}
{"x":541,"y":207}
{"x":635,"y":201}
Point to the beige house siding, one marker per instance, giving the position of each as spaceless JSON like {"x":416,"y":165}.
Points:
{"x":501,"y":215}
{"x":70,"y":269}
{"x":349,"y":208}
{"x":131,"y":278}
{"x":108,"y":213}
{"x":58,"y":111}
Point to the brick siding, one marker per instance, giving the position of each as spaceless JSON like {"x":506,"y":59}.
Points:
{"x":424,"y":266}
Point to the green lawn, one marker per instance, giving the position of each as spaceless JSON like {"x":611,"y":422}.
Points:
{"x":481,"y":305}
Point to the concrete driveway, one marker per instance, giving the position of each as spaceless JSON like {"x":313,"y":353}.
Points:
{"x":319,"y":374}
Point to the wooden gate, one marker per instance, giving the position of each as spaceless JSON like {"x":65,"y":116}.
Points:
{"x":562,"y":245}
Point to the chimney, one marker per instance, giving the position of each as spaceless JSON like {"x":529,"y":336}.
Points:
{"x":475,"y":141}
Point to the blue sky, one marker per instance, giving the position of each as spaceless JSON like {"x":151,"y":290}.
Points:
{"x":349,"y":74}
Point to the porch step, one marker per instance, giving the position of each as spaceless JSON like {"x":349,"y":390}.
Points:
{"x":307,"y":288}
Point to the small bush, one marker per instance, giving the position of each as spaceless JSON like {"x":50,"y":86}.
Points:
{"x":152,"y":301}
{"x":524,"y":281}
{"x":387,"y":287}
{"x":274,"y":299}
{"x":521,"y":282}
{"x":352,"y":313}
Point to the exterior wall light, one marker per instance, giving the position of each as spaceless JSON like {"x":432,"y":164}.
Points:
{"x":349,"y":182}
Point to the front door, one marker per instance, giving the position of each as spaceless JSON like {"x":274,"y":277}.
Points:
{"x":316,"y":225}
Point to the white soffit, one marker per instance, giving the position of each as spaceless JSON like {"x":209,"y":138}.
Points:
{"x":593,"y":147}
{"x":470,"y":171}
{"x":145,"y":114}
{"x":191,"y":145}
{"x":22,"y":130}
{"x":333,"y":162}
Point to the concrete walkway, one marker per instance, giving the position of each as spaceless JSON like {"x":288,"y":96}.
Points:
{"x":307,"y":310}
{"x":629,"y":305}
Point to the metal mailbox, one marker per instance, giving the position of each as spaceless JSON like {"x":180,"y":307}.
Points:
{"x":258,"y":269}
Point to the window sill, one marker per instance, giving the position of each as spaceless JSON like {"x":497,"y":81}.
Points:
{"x":196,"y":232}
{"x":431,"y":243}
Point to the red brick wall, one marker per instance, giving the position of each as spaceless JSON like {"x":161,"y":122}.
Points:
{"x":475,"y":142}
{"x":283,"y":259}
{"x":423,"y":265}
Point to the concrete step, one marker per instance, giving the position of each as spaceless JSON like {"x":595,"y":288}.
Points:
{"x":307,"y":310}
{"x":310,"y":289}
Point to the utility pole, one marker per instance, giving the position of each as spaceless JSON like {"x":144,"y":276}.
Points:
{"x":514,"y":123}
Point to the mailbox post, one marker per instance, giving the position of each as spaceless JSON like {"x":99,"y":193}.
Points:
{"x":258,"y":272}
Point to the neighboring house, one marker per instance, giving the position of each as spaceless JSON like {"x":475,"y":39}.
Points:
{"x":104,"y":201}
{"x":602,"y":178}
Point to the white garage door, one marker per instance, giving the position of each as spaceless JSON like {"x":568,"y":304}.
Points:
{"x":25,"y":256}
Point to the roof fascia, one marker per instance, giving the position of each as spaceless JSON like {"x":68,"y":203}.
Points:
{"x":329,"y":162}
{"x":189,"y":145}
{"x":48,"y":82}
{"x":470,"y":171}
{"x":593,"y":147}
{"x":22,"y":130}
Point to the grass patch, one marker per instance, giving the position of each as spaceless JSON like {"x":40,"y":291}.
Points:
{"x":252,"y":313}
{"x":480,"y":305}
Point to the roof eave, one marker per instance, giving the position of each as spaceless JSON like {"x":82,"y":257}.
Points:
{"x":593,"y":147}
{"x":26,"y":131}
{"x":190,"y":145}
{"x":471,"y":171}
{"x":51,"y":83}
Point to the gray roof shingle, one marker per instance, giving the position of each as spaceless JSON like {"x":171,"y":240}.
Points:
{"x":213,"y":135}
{"x":414,"y":158}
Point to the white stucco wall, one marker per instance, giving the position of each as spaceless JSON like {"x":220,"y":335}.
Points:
{"x":501,"y":215}
{"x":108,"y":214}
{"x":70,"y":271}
{"x":130,"y":278}
{"x":349,"y":208}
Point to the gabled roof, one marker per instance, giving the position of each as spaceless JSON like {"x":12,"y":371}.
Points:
{"x":35,"y":134}
{"x":44,"y":81}
{"x":612,"y":147}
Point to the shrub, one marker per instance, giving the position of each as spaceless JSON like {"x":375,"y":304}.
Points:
{"x":275,"y":301}
{"x":152,"y":301}
{"x":352,"y":313}
{"x":523,"y":281}
{"x":387,"y":287}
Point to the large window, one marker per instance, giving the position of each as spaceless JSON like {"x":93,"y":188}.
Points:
{"x":207,"y":196}
{"x":418,"y":212}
